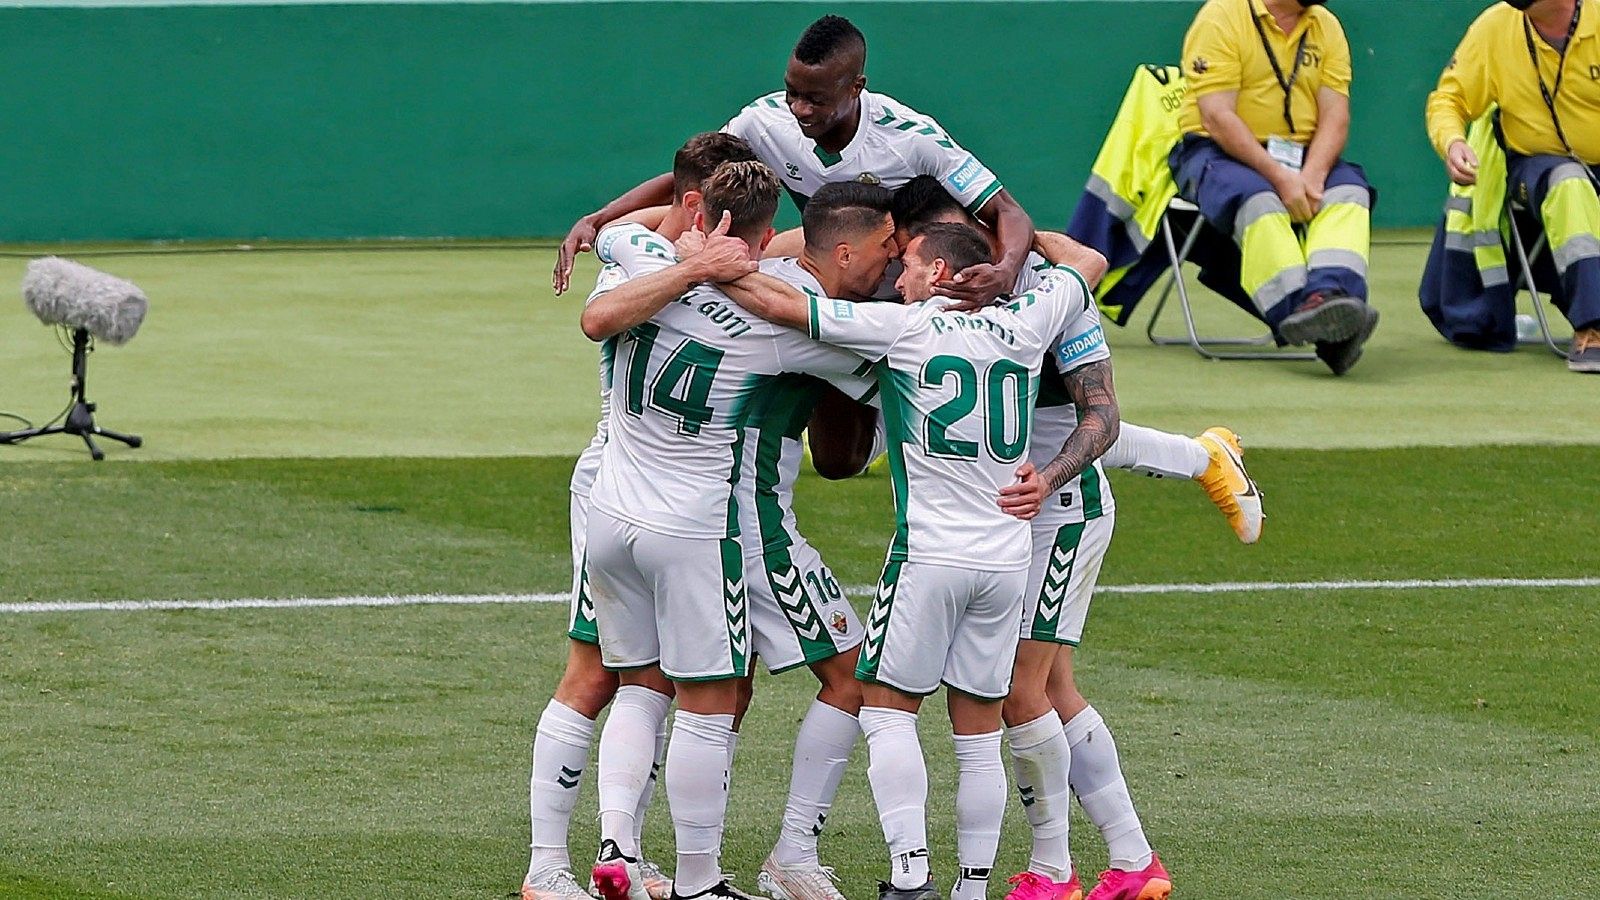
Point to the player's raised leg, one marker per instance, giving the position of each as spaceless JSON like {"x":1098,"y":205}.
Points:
{"x":1215,"y":459}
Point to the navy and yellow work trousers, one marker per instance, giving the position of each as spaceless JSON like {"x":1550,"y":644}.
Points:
{"x":1559,"y":191}
{"x":1281,"y":265}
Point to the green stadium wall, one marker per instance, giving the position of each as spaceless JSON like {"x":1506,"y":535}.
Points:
{"x":304,"y":120}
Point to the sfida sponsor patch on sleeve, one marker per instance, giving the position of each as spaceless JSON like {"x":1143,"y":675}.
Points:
{"x":1077,"y":349}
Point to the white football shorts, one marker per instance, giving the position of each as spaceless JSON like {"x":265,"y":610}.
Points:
{"x":676,"y":601}
{"x":1062,"y":577}
{"x":798,"y":613}
{"x":931,"y":624}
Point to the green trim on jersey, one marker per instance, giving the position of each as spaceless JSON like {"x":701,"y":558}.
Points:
{"x":1089,"y":487}
{"x":1052,"y":599}
{"x":799,"y":608}
{"x":897,"y":388}
{"x":608,"y":358}
{"x":983,"y":198}
{"x":814,"y":331}
{"x":824,"y":157}
{"x":732,"y":531}
{"x":777,"y":414}
{"x":877,"y":624}
{"x":1088,"y":294}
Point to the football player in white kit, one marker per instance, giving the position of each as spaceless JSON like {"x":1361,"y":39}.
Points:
{"x":1071,"y":534}
{"x":958,"y":391}
{"x":665,"y":566}
{"x":798,"y":612}
{"x":565,"y":734}
{"x":824,"y":128}
{"x":1214,"y":460}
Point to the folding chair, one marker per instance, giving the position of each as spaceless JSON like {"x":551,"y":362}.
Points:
{"x":1208,"y":346}
{"x":1525,"y":281}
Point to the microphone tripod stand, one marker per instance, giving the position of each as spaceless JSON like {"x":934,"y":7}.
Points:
{"x":80,"y":416}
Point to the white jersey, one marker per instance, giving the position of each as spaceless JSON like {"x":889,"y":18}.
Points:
{"x":1088,"y":495}
{"x":893,"y":144}
{"x":624,"y":253}
{"x":685,"y":385}
{"x":958,"y":392}
{"x":773,"y":451}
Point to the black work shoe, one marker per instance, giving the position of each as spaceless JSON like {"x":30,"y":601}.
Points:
{"x":1585,"y":355}
{"x":1341,"y":356}
{"x":1324,"y":317}
{"x":721,"y":889}
{"x":926,"y":892}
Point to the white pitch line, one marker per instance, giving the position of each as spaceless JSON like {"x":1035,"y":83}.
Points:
{"x":860,"y":590}
{"x":282,"y":603}
{"x":1251,"y":587}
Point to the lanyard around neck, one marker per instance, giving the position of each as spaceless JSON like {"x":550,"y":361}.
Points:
{"x":1294,"y":73}
{"x":1547,"y":92}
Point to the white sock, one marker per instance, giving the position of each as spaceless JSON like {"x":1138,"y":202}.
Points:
{"x":698,"y":759}
{"x":899,"y":778}
{"x":561,"y":747}
{"x":1041,"y":758}
{"x":625,"y":759}
{"x":980,"y":808}
{"x":821,"y":752}
{"x":1097,"y":780}
{"x":649,"y":791}
{"x":971,"y":884}
{"x":727,"y":781}
{"x":1156,"y":453}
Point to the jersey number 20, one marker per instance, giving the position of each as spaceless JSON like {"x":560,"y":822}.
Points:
{"x":1005,"y":398}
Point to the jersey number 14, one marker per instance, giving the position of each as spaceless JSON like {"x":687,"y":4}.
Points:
{"x":681,"y":386}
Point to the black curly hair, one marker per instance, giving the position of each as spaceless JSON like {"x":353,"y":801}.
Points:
{"x":827,"y":37}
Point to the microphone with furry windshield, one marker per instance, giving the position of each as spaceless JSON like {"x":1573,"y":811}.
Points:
{"x":93,"y":306}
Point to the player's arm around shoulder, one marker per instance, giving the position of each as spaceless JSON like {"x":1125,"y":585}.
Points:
{"x":1099,"y":422}
{"x":1060,"y":250}
{"x":771,"y":299}
{"x":642,"y":296}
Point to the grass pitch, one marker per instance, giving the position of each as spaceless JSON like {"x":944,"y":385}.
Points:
{"x":451,"y":352}
{"x":1276,"y":742}
{"x":1290,"y":743}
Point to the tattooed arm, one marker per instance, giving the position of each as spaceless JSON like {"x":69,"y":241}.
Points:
{"x":1098,"y":423}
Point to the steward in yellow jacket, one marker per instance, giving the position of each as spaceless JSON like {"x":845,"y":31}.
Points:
{"x":1119,"y":213}
{"x":1265,"y":120}
{"x":1540,"y":61}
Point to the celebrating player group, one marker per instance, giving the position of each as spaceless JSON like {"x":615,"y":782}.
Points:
{"x":915,"y":314}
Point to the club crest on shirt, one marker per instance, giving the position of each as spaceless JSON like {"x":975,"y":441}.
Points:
{"x":869,"y":178}
{"x":1200,"y":65}
{"x":840,"y":624}
{"x":794,"y":170}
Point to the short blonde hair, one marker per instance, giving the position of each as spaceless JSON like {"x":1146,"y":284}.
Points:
{"x":747,"y":190}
